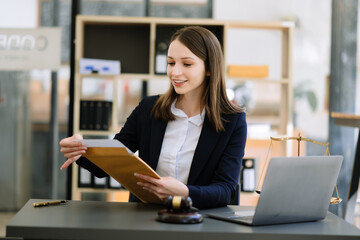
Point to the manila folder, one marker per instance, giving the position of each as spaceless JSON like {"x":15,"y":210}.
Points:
{"x":121,"y":165}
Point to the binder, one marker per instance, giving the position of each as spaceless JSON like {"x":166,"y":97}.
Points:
{"x":84,"y":108}
{"x":121,"y":164}
{"x":99,"y":182}
{"x":95,"y":115}
{"x":91,"y":115}
{"x":106,"y":115}
{"x":85,"y":178}
{"x":112,"y":183}
{"x":98,"y":115}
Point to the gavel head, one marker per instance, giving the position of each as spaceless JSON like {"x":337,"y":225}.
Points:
{"x":178,"y":203}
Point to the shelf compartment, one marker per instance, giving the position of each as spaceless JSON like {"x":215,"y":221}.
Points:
{"x":127,"y":43}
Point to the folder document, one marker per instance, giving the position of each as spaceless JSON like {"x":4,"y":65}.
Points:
{"x":119,"y":162}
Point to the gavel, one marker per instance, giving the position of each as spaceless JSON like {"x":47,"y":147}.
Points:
{"x":179,"y":210}
{"x":178,"y":204}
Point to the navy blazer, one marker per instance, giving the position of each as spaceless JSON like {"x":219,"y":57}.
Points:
{"x":216,"y":164}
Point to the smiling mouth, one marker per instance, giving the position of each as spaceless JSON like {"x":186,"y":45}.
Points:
{"x":179,"y":81}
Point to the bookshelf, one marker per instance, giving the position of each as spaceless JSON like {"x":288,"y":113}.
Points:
{"x":139,"y":43}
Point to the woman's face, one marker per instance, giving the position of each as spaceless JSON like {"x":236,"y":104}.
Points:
{"x":185,"y":70}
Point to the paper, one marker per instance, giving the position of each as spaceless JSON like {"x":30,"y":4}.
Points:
{"x":111,"y":143}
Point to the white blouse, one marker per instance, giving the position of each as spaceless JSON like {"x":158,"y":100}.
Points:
{"x":179,"y":144}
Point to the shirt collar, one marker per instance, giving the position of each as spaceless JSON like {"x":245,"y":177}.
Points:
{"x":196,"y":120}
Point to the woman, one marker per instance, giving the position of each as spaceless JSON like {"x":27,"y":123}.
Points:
{"x":192,"y":135}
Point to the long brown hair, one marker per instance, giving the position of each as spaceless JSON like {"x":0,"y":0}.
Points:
{"x":206,"y":46}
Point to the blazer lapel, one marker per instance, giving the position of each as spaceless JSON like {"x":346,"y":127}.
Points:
{"x":208,"y":139}
{"x":156,"y":138}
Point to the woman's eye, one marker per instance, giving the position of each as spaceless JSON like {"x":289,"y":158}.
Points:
{"x":171,"y":63}
{"x":187,"y":64}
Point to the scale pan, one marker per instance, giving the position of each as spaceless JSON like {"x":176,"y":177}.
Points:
{"x":335,"y":200}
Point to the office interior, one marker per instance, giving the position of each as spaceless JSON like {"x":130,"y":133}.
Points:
{"x":35,"y":113}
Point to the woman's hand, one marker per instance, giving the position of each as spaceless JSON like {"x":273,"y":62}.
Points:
{"x":71,"y":149}
{"x":163,"y":187}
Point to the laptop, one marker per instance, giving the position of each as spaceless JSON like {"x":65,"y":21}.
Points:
{"x":295,"y":189}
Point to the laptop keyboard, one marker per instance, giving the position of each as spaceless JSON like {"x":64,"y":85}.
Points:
{"x":245,"y":218}
{"x":244,"y":214}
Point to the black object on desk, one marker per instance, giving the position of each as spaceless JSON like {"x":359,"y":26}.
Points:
{"x":179,"y":210}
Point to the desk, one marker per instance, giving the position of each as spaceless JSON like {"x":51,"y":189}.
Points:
{"x":112,"y":220}
{"x":350,"y":120}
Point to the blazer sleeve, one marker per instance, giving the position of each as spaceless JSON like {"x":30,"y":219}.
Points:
{"x":222,"y":185}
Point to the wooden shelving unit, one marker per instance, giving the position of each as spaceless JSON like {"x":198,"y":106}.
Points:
{"x":134,"y":42}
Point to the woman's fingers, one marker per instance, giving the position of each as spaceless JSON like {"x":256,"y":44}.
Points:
{"x":146,"y":178}
{"x":163,"y":187}
{"x":70,"y":143}
{"x":71,"y":149}
{"x":68,"y":162}
{"x":157,"y":191}
{"x":153,"y":185}
{"x":66,"y":150}
{"x":74,"y":154}
{"x":148,"y":185}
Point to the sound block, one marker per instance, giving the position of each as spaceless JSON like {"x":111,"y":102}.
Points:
{"x":169,"y":216}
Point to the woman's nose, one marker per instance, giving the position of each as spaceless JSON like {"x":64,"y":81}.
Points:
{"x":176,"y":70}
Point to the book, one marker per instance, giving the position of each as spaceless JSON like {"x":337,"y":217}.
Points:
{"x":119,"y":162}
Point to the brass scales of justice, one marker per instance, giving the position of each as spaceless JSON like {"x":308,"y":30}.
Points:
{"x":333,"y":200}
